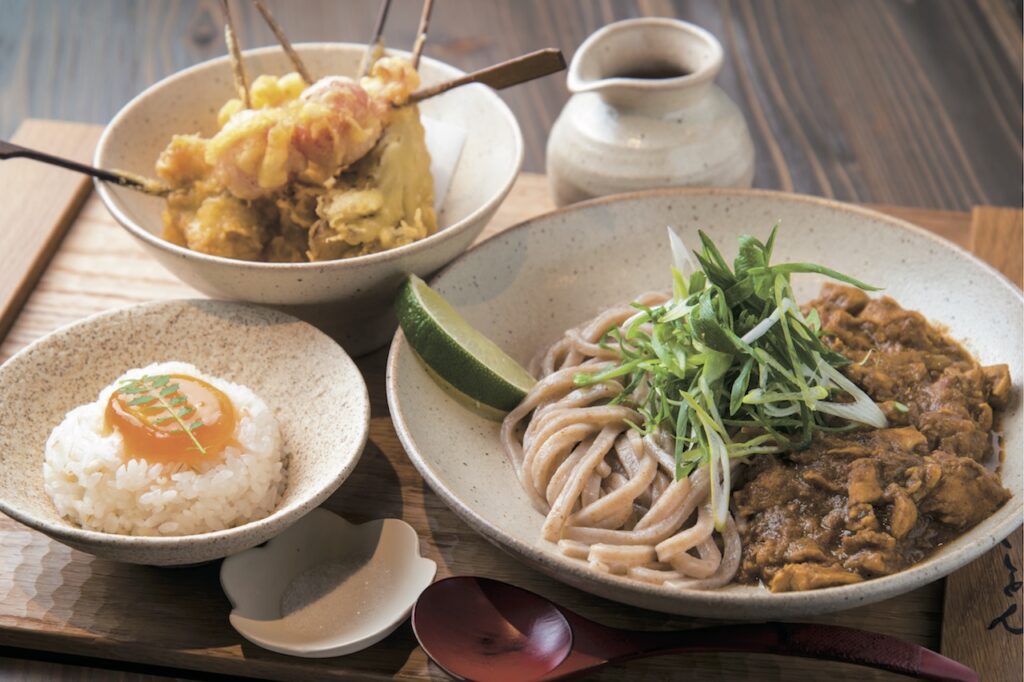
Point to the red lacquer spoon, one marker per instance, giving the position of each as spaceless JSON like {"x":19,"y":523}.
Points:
{"x":490,"y":631}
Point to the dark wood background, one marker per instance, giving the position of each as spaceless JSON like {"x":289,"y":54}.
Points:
{"x":913,"y":102}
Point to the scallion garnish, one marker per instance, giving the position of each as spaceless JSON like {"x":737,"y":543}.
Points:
{"x":730,"y":366}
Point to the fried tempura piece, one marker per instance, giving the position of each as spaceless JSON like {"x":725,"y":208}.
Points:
{"x":332,"y":124}
{"x":307,"y":173}
{"x":265,"y":92}
{"x":391,"y":79}
{"x":384,"y":202}
{"x":183,"y":161}
{"x":225,"y":226}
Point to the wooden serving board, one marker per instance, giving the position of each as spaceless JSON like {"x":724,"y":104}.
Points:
{"x":58,"y":600}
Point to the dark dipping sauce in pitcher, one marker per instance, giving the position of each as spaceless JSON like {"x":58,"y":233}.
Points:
{"x":868,"y":503}
{"x":655,"y":71}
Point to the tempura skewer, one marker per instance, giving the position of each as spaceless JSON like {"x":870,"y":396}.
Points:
{"x":498,"y":76}
{"x":421,"y":33}
{"x":237,"y":68}
{"x":286,"y":44}
{"x":375,"y":46}
{"x":502,"y":75}
{"x":123,"y":178}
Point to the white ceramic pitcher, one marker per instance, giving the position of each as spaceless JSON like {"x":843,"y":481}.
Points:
{"x":645,"y":112}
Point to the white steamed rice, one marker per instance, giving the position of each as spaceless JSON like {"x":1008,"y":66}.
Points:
{"x":93,"y":486}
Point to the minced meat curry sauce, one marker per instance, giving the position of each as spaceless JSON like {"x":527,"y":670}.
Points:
{"x":862,"y":504}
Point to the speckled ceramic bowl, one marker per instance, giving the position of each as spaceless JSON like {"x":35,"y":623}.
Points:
{"x":526,"y":286}
{"x":359,"y":290}
{"x":313,"y":388}
{"x":326,"y":587}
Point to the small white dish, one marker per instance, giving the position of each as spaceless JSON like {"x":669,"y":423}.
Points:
{"x":326,"y":587}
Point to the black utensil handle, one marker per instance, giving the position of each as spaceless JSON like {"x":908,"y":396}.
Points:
{"x":11,"y":151}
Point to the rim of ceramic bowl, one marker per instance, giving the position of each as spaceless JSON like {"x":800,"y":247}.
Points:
{"x":282,"y":515}
{"x":705,"y":601}
{"x":706,"y":73}
{"x":443,"y":234}
{"x":411,"y":548}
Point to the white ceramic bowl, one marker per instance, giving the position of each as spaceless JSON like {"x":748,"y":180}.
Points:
{"x":524,"y":287}
{"x":326,"y":587}
{"x":312,"y":387}
{"x":359,"y":290}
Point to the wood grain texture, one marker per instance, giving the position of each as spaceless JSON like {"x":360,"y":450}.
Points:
{"x":986,"y":632}
{"x":915,"y":103}
{"x":984,"y":601}
{"x":25,"y":670}
{"x":998,"y":239}
{"x":56,"y":599}
{"x":26,"y":245}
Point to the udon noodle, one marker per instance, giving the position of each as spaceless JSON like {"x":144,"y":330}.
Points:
{"x":609,"y":494}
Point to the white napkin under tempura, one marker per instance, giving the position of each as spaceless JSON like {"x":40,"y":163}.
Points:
{"x":444,"y":142}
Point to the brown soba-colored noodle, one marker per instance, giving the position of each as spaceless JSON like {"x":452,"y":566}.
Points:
{"x":609,"y":494}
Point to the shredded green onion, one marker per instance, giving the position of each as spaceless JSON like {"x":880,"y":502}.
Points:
{"x":730,"y":366}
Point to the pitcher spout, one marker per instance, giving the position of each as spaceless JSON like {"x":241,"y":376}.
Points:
{"x":654,"y":64}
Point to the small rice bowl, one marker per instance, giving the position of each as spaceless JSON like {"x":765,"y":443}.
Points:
{"x":94,"y":486}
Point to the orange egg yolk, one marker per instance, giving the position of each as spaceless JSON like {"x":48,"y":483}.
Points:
{"x":163,"y":424}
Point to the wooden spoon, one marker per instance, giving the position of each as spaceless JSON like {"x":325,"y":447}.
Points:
{"x":9,"y":150}
{"x":487,"y":630}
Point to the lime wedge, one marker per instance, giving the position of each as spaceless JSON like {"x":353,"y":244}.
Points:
{"x":464,"y":359}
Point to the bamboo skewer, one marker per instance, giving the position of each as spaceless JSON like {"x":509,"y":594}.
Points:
{"x":123,"y":178}
{"x":502,"y":75}
{"x":286,"y":44}
{"x":421,"y":32}
{"x":375,"y":46}
{"x":237,"y":68}
{"x":505,"y":74}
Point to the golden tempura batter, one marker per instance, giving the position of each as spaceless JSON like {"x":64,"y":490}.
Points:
{"x":332,"y":170}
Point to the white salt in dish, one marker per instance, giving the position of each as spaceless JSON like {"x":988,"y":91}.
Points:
{"x":326,"y":587}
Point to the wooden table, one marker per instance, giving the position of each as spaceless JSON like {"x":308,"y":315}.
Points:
{"x":56,"y":601}
{"x":876,"y":101}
